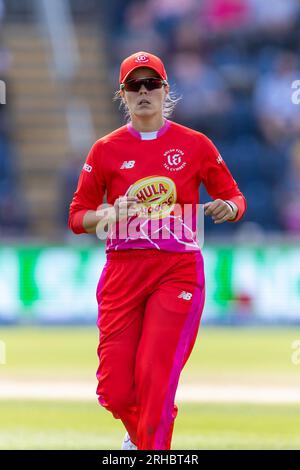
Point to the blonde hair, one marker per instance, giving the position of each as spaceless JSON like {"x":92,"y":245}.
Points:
{"x":169,"y":105}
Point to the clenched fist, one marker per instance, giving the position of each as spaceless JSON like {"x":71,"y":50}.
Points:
{"x":126,"y":206}
{"x":220,"y":210}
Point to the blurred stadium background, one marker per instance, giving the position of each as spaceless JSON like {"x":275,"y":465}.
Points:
{"x":234,"y":63}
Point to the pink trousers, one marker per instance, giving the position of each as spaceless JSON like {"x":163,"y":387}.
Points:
{"x":150,"y":305}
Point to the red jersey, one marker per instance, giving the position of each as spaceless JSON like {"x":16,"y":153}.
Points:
{"x":163,"y":170}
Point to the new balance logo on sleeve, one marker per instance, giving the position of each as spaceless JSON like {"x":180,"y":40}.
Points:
{"x":185,"y":295}
{"x":87,"y":167}
{"x":127,"y":164}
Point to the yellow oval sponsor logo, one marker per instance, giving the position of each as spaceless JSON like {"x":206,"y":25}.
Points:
{"x":156,"y":196}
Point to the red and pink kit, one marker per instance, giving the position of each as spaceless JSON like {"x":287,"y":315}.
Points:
{"x":151,"y":291}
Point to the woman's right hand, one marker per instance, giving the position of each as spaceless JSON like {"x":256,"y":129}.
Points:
{"x":126,"y":206}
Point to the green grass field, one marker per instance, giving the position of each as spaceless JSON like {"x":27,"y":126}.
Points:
{"x":221,"y":356}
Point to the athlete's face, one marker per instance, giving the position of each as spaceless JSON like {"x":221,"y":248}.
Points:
{"x":145,"y":103}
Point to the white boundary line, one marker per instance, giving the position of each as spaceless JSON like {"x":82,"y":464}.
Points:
{"x":86,"y":391}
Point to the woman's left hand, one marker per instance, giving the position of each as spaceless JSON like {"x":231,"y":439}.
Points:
{"x":220,"y":211}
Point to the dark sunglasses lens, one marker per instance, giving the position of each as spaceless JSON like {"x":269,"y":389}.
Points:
{"x":149,"y":83}
{"x":153,"y":83}
{"x":133,"y":85}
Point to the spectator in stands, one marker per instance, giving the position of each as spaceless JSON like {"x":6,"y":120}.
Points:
{"x":290,"y":210}
{"x":225,"y":16}
{"x":138,"y":29}
{"x":206,"y":98}
{"x":169,"y":14}
{"x":278,"y":116}
{"x":275,"y":18}
{"x":227,"y":59}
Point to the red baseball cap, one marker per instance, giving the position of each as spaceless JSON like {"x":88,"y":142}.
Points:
{"x":142,"y":59}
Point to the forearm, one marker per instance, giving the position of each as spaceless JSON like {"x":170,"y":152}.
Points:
{"x":103,"y":217}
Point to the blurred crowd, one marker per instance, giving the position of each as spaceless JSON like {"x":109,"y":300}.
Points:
{"x":13,"y":219}
{"x":233,"y":62}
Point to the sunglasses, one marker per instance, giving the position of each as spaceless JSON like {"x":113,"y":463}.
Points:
{"x":150,"y":84}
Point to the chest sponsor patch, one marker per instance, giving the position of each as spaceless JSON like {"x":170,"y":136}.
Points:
{"x":156,"y":194}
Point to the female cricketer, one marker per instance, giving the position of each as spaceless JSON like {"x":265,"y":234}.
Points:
{"x":151,"y":291}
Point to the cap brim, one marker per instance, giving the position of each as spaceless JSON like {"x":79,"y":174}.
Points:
{"x":140,"y":67}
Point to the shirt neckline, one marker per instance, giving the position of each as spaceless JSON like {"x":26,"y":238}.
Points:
{"x":148,"y":135}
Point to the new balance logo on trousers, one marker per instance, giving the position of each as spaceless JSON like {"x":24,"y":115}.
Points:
{"x":185,"y":295}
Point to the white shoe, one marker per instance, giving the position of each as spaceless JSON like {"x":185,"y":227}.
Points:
{"x":127,"y":444}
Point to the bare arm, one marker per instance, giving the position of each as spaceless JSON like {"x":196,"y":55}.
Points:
{"x":91,"y":219}
{"x":124,"y":206}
